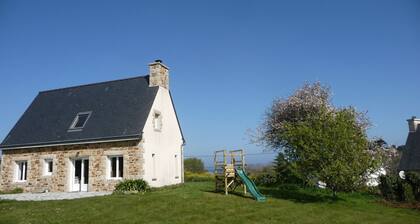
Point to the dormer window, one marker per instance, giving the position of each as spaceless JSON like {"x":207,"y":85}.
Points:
{"x":157,"y":121}
{"x":80,"y":121}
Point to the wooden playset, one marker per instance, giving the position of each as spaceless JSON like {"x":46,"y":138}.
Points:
{"x":229,"y":172}
{"x":225,"y":164}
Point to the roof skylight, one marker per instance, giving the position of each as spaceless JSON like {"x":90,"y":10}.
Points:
{"x":80,"y":121}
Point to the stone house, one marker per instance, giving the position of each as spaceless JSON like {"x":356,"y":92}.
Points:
{"x":410,"y":159}
{"x":90,"y":137}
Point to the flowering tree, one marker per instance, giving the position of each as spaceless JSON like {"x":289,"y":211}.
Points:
{"x":325,"y":142}
{"x":390,"y":154}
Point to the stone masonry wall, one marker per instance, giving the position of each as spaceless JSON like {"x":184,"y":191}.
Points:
{"x":159,"y":75}
{"x":62,"y":156}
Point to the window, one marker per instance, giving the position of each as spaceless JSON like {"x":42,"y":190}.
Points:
{"x":116,"y":167}
{"x":22,"y":168}
{"x":154,"y":167}
{"x":48,"y":167}
{"x":157,"y":121}
{"x":79,"y":121}
{"x":176,"y":167}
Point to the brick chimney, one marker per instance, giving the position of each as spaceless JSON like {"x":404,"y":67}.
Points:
{"x":158,"y":74}
{"x":413,"y":124}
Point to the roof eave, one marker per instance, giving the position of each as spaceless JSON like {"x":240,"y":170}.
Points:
{"x":177,"y":119}
{"x":77,"y":142}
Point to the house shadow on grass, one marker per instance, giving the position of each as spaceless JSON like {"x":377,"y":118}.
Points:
{"x":301,"y":195}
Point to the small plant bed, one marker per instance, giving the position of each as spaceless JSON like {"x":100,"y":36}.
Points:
{"x":132,"y":187}
{"x":14,"y":191}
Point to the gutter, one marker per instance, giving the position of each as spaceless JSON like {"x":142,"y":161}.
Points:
{"x":73,"y":142}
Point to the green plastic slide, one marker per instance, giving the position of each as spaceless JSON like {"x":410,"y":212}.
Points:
{"x":250,"y":185}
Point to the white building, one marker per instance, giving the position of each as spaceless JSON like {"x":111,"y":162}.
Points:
{"x":91,"y":137}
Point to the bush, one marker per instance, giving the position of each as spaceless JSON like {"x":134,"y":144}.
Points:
{"x":407,"y":193}
{"x":132,"y":186}
{"x":394,"y":188}
{"x":414,"y":180}
{"x":289,"y":187}
{"x":198,"y":177}
{"x":194,"y":165}
{"x":387,"y":186}
{"x":286,"y":172}
{"x":265,"y":179}
{"x":371,"y":190}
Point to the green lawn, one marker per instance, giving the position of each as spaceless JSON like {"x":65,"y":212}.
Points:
{"x":196,"y":203}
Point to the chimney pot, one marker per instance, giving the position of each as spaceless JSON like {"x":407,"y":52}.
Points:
{"x":413,"y":124}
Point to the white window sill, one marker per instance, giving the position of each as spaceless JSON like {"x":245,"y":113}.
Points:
{"x":115,"y":178}
{"x":47,"y":175}
{"x":21,"y":181}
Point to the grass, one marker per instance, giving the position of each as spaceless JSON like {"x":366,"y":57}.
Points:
{"x":197,"y":203}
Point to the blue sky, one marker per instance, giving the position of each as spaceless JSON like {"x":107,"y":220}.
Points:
{"x":228,"y":59}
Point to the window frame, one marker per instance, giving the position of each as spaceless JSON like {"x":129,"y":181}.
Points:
{"x":154,"y":178}
{"x":176,"y":166}
{"x":76,"y":120}
{"x":47,"y":162}
{"x":157,"y":121}
{"x":117,"y":167}
{"x":19,"y":171}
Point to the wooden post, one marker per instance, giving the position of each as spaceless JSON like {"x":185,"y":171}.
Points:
{"x":219,"y":164}
{"x":226,"y":180}
{"x":243,"y":167}
{"x":215,"y":170}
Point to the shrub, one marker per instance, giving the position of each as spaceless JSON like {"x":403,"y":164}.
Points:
{"x":394,"y":188}
{"x":387,"y":186}
{"x":198,"y":177}
{"x":414,"y":180}
{"x":407,"y":193}
{"x":265,"y":179}
{"x":132,"y":186}
{"x":289,"y":187}
{"x":286,"y":171}
{"x":194,"y":165}
{"x":371,"y":190}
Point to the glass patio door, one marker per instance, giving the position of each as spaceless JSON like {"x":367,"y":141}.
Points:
{"x":80,"y":176}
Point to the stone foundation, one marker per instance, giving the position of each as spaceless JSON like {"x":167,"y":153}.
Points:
{"x":62,"y":157}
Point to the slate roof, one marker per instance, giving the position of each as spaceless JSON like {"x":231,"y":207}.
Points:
{"x":119,"y":111}
{"x":410,"y":160}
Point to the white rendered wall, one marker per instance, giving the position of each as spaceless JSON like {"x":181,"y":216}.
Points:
{"x":165,"y":144}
